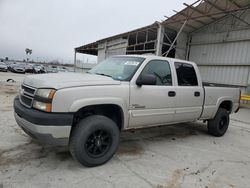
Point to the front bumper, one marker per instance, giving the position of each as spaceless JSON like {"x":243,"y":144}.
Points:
{"x":49,"y":128}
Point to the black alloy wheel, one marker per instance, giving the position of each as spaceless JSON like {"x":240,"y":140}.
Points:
{"x":98,"y":143}
{"x":219,"y":124}
{"x":94,"y":140}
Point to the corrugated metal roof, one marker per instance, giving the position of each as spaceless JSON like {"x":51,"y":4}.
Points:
{"x":197,"y":15}
{"x":203,"y":12}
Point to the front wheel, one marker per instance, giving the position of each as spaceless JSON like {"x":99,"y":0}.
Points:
{"x":94,"y":140}
{"x":219,"y":125}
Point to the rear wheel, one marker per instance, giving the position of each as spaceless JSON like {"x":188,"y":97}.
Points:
{"x":94,"y":140}
{"x":219,"y":125}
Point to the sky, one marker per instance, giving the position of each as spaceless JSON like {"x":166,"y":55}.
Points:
{"x":53,"y":28}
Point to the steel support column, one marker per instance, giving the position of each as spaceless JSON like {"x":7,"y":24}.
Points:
{"x":159,"y":41}
{"x":75,"y":60}
{"x":188,"y":47}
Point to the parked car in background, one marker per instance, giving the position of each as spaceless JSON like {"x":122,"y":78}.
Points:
{"x":38,"y":69}
{"x":3,"y":67}
{"x":18,"y":68}
{"x":54,"y":69}
{"x":50,"y":70}
{"x":29,"y":68}
{"x":62,"y":69}
{"x":10,"y":64}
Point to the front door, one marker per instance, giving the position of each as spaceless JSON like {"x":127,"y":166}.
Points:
{"x":153,"y":104}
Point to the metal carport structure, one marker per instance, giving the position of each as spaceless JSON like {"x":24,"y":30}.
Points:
{"x":213,"y":33}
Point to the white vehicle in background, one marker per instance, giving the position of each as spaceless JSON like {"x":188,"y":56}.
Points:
{"x":38,"y":68}
{"x":62,"y":69}
{"x":87,"y":112}
{"x":18,"y":68}
{"x":3,"y":67}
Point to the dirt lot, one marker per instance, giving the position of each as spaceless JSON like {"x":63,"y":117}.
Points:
{"x":167,"y":157}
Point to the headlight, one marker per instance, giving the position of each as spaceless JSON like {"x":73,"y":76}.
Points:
{"x":45,"y":93}
{"x":42,"y":106}
{"x":43,"y":99}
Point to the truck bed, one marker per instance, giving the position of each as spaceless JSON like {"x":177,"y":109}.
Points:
{"x":215,"y":94}
{"x":210,"y":84}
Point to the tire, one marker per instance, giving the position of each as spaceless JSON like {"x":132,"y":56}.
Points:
{"x":219,"y":125}
{"x":94,"y":140}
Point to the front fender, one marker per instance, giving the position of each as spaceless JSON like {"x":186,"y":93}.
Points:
{"x":78,"y":104}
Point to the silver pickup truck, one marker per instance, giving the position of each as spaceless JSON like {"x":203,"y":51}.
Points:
{"x":88,"y":111}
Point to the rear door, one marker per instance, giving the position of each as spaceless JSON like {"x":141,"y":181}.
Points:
{"x":151,"y":104}
{"x":189,"y":94}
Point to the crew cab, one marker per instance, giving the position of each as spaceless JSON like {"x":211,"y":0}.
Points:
{"x":87,"y":112}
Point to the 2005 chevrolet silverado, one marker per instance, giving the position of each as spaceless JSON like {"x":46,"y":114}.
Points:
{"x":88,"y":111}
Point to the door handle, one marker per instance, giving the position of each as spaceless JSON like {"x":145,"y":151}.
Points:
{"x":171,"y":93}
{"x":197,"y":94}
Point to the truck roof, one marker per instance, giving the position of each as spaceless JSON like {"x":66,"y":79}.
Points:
{"x":149,"y":57}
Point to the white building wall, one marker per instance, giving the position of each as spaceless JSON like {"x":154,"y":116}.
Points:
{"x":111,"y":48}
{"x":222,"y":51}
{"x":236,"y":75}
{"x":210,"y":48}
{"x":101,"y":55}
{"x":181,"y":46}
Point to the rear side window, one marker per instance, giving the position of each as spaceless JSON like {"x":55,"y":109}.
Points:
{"x":161,"y":70}
{"x":186,"y":74}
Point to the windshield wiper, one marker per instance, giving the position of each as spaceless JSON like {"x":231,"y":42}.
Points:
{"x":102,"y":74}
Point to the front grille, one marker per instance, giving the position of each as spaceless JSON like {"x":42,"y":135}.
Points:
{"x":27,"y":101}
{"x":28,"y":90}
{"x":27,"y":95}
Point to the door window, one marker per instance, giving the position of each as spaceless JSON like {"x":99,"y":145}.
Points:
{"x":161,"y":70}
{"x":186,"y":74}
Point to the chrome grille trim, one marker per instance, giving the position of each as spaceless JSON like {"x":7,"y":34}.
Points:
{"x":28,"y":93}
{"x":29,"y":90}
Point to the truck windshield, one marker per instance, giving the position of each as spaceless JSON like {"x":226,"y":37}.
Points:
{"x":118,"y":68}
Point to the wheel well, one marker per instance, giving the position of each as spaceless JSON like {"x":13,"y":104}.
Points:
{"x":226,"y":105}
{"x":111,"y":111}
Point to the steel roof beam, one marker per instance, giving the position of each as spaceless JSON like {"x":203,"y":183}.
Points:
{"x":234,"y":3}
{"x":188,"y":25}
{"x":238,"y":18}
{"x":214,"y":5}
{"x":220,"y":19}
{"x":183,"y":14}
{"x":199,"y":11}
{"x":213,"y":14}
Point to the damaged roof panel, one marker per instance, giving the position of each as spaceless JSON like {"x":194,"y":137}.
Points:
{"x":195,"y":16}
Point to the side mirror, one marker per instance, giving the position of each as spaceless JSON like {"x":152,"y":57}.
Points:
{"x":148,"y":79}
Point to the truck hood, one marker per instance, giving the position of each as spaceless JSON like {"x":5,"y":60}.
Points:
{"x":64,"y":80}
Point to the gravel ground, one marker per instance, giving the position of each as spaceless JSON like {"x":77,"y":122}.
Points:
{"x":177,"y":156}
